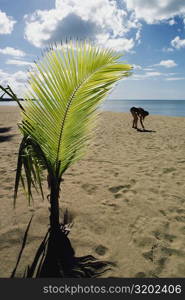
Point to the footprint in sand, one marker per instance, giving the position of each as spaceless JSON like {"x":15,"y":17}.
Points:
{"x":176,"y":213}
{"x":137,"y":227}
{"x":101,"y":250}
{"x":168,"y":170}
{"x":89,"y":188}
{"x":118,"y":195}
{"x":119,"y":190}
{"x":180,"y":219}
{"x":159,"y":256}
{"x":116,"y":189}
{"x":182,"y":230}
{"x":140,"y":275}
{"x":156,"y":242}
{"x":7,"y":188}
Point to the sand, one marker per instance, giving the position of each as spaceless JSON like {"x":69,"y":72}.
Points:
{"x":127,"y":196}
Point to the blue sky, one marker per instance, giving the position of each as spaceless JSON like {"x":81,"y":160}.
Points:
{"x":150,"y":33}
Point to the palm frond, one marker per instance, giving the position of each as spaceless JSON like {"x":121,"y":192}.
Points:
{"x":11,"y":94}
{"x":32,"y":161}
{"x":67,"y":85}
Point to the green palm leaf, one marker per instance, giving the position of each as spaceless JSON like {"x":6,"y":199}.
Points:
{"x":68,"y":85}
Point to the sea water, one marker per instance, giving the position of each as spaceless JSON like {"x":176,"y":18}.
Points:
{"x":154,"y":107}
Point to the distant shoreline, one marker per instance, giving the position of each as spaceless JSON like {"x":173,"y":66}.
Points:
{"x":21,"y":99}
{"x":174,"y":108}
{"x":10,"y":100}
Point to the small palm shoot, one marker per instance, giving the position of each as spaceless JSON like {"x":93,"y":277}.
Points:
{"x":68,"y":84}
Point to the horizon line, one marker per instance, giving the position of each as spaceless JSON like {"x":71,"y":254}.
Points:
{"x":119,"y":99}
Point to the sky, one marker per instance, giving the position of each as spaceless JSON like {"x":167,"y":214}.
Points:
{"x":149,"y":33}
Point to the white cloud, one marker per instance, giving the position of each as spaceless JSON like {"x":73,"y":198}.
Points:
{"x":6,"y":23}
{"x":119,"y":44}
{"x":147,"y":75}
{"x":178,"y":43}
{"x":169,"y":63}
{"x":99,"y":20}
{"x":152,"y":74}
{"x":172,"y":22}
{"x":167,"y":49}
{"x":154,"y":11}
{"x":136,"y":67}
{"x":175,"y":78}
{"x":148,"y":69}
{"x":12,"y":51}
{"x":171,"y":74}
{"x":19,"y":62}
{"x":16,"y":80}
{"x":138,"y":35}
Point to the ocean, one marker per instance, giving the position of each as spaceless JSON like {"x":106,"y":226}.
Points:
{"x":154,"y":107}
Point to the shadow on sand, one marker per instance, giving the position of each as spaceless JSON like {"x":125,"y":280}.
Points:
{"x":4,"y":129}
{"x":55,"y":258}
{"x":4,"y":138}
{"x":145,"y":130}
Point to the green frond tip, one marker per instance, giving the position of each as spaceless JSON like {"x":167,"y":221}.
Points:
{"x":11,"y":94}
{"x":68,"y":84}
{"x":30,"y":165}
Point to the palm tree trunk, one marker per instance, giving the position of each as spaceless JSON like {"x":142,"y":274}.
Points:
{"x":50,"y":265}
{"x":60,"y":254}
{"x":54,"y":202}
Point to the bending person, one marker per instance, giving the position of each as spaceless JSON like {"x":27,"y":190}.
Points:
{"x":138,"y":113}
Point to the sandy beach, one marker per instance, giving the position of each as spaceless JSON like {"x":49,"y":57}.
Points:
{"x":127,"y":196}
